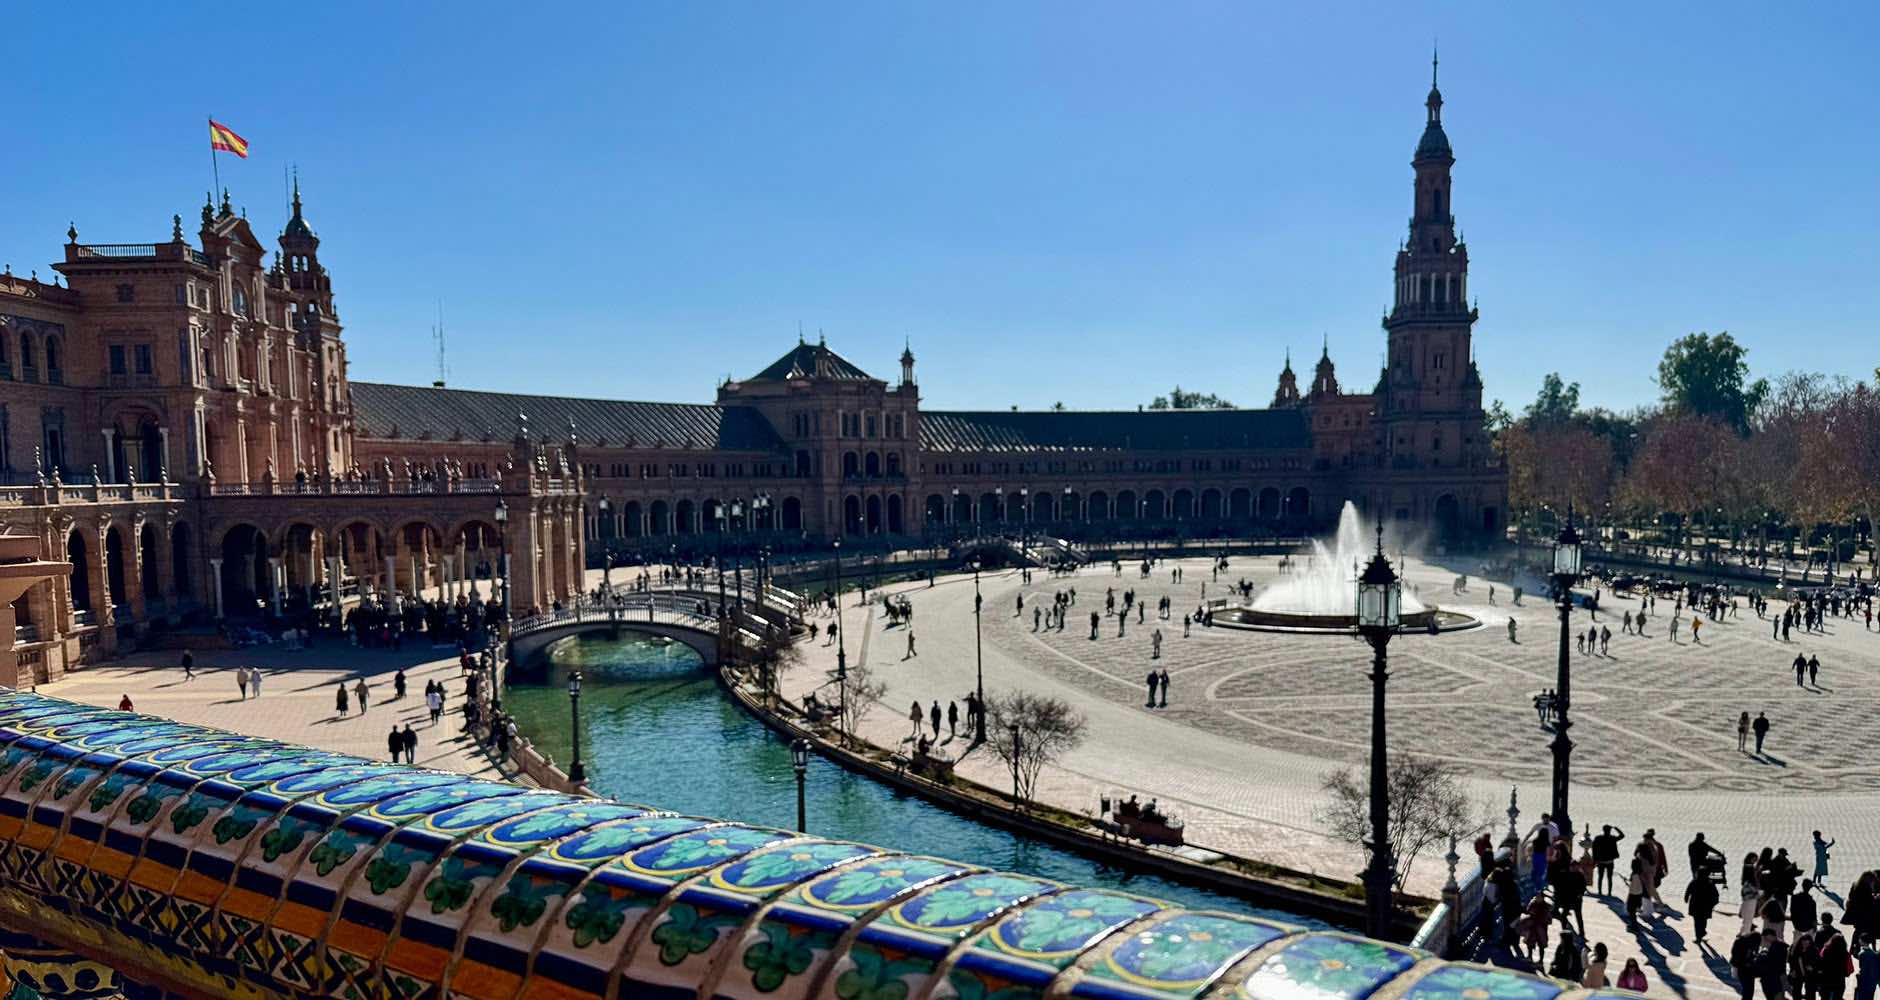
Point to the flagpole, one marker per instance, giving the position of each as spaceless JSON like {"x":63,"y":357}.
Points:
{"x":215,"y":166}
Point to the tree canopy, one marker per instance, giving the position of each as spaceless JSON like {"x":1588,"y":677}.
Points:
{"x":1182,"y":399}
{"x":1707,"y":376}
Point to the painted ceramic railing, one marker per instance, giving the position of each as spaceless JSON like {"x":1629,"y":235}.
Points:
{"x":215,"y":865}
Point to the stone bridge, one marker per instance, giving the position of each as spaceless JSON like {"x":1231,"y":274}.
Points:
{"x":146,"y":858}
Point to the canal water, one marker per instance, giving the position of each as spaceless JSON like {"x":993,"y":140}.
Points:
{"x":655,"y":729}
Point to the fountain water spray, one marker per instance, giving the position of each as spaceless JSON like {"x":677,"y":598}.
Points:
{"x":1327,"y":586}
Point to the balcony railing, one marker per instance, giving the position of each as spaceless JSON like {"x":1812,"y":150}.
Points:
{"x":117,"y":250}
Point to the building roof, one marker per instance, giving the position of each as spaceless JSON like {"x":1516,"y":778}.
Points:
{"x":429,"y":413}
{"x":811,"y":361}
{"x":1435,"y":142}
{"x":1156,"y":430}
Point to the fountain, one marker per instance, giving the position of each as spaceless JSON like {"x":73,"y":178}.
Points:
{"x":1320,"y":596}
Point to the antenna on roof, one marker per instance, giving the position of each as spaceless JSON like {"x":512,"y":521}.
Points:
{"x":437,"y":335}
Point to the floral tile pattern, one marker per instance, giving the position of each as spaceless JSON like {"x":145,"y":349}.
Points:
{"x":246,"y":869}
{"x":1327,"y":967}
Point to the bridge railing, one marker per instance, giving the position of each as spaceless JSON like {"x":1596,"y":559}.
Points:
{"x":623,"y":608}
{"x":1459,"y":925}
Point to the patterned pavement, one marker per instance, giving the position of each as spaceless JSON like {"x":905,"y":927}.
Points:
{"x":1256,"y":720}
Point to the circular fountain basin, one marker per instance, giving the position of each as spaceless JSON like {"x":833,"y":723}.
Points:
{"x":1414,"y":622}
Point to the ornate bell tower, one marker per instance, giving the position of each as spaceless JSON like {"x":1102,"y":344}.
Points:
{"x":1430,"y":394}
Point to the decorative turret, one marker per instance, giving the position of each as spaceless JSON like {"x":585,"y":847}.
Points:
{"x":1288,"y":393}
{"x":907,"y":364}
{"x":1324,"y":375}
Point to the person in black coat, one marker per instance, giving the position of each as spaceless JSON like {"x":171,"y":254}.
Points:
{"x":1772,"y":965}
{"x":1701,"y":899}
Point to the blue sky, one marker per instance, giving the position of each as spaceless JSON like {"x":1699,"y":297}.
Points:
{"x":1085,"y":202}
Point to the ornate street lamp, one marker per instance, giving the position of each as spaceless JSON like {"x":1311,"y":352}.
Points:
{"x":1567,"y":557}
{"x":979,"y":664}
{"x":502,"y":539}
{"x":737,"y":525}
{"x":605,"y":509}
{"x":577,"y":772}
{"x":799,"y":759}
{"x":1380,"y":612}
{"x":842,"y":660}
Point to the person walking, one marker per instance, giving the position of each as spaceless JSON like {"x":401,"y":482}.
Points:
{"x":910,"y":646}
{"x":1569,"y":897}
{"x":241,"y":681}
{"x":1743,"y":962}
{"x":398,"y":685}
{"x":410,"y":741}
{"x":434,"y":700}
{"x":339,"y":699}
{"x":254,"y":680}
{"x":1153,"y":679}
{"x":914,"y":716}
{"x":1814,"y":670}
{"x":1164,"y":688}
{"x":1761,"y":728}
{"x":360,"y":691}
{"x":395,"y":743}
{"x":1700,"y":899}
{"x":1742,"y":732}
{"x":934,"y":714}
{"x":189,"y":665}
{"x":953,"y":718}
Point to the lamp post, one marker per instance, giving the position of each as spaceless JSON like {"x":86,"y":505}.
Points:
{"x":955,"y":509}
{"x":1024,"y":532}
{"x":737,"y":525}
{"x":979,"y":664}
{"x":1566,"y":573}
{"x":842,"y":660}
{"x":577,"y":772}
{"x":502,"y":540}
{"x":799,"y":759}
{"x":1380,"y":611}
{"x":605,"y":508}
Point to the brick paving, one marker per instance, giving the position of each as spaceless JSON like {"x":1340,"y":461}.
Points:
{"x":297,"y":697}
{"x":1256,"y":720}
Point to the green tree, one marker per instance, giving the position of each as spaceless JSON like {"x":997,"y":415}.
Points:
{"x":1182,"y":399}
{"x":1557,"y":402}
{"x":1706,"y":376}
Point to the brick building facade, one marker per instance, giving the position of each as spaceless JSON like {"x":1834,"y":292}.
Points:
{"x":179,"y":423}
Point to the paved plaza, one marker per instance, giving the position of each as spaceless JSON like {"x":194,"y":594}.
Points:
{"x":296,"y":703}
{"x":1256,"y":720}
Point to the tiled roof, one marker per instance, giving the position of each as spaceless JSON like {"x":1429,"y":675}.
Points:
{"x":428,"y":413}
{"x":811,"y":361}
{"x":1156,"y":430}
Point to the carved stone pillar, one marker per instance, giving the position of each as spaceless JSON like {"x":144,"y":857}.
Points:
{"x":215,"y":584}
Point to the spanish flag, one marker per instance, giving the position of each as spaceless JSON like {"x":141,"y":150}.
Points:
{"x":224,"y":139}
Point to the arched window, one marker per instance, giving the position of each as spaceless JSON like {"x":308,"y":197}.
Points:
{"x":29,"y":364}
{"x":54,"y":370}
{"x":6,"y":357}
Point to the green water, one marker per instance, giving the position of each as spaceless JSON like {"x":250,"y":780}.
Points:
{"x":655,"y":729}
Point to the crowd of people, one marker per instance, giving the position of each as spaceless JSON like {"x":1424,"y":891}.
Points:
{"x":1788,"y":941}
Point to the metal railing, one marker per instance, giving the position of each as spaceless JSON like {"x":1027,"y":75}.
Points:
{"x":117,"y":250}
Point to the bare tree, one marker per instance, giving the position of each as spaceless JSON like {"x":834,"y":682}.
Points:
{"x":1028,"y":731}
{"x":1427,"y":806}
{"x":774,"y":654}
{"x":860,"y":694}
